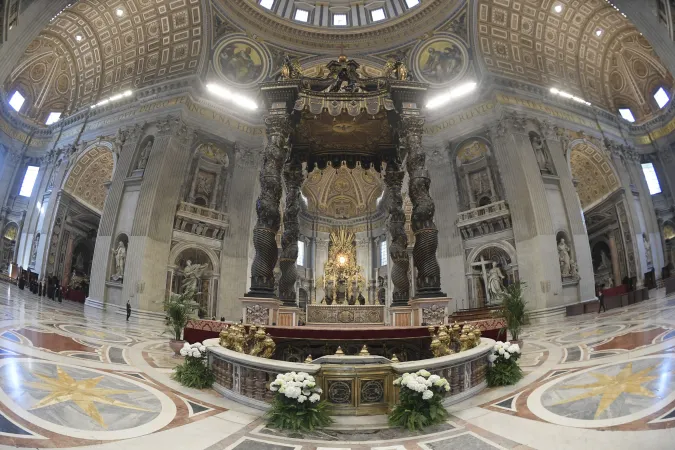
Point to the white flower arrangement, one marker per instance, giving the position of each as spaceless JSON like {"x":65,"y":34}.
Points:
{"x":300,"y":386}
{"x":503,"y":352}
{"x":196,"y":350}
{"x":423,"y":382}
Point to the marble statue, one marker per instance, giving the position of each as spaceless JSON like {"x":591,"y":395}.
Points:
{"x":192,"y":274}
{"x":540,"y":153}
{"x":145,"y":155}
{"x":204,"y":185}
{"x":564,"y":258}
{"x":648,"y":249}
{"x":605,"y":263}
{"x":120,"y":254}
{"x":495,"y":283}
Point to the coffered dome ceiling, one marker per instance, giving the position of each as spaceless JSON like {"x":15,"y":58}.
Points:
{"x":97,"y":48}
{"x":87,"y":180}
{"x":593,"y":174}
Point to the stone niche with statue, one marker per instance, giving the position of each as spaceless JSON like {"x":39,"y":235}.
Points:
{"x":343,"y":285}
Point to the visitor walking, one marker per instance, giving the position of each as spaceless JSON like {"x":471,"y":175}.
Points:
{"x":601,"y":299}
{"x":128,"y":310}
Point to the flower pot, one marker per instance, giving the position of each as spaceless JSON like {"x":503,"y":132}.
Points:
{"x":519,"y":342}
{"x":176,"y":345}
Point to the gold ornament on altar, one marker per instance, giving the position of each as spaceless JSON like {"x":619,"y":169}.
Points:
{"x":449,"y":340}
{"x":364,"y":351}
{"x":255,"y":343}
{"x":342,"y":281}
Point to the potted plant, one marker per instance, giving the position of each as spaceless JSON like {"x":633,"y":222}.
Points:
{"x":512,"y":309}
{"x":421,"y":402}
{"x":297,"y":403}
{"x":504,"y":369}
{"x":194,"y":372}
{"x":178,"y":308}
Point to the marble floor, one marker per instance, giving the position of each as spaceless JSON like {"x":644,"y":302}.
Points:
{"x":76,"y":377}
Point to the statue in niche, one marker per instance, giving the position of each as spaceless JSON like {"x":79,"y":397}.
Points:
{"x":33,"y":253}
{"x":540,"y":153}
{"x":605,"y":263}
{"x":564,"y":258}
{"x":192,"y":273}
{"x":120,"y":254}
{"x":648,"y":249}
{"x":79,"y":262}
{"x":204,"y":185}
{"x":145,"y":155}
{"x":495,"y":281}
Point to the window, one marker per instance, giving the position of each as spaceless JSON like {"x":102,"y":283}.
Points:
{"x":29,"y":181}
{"x":412,"y":3}
{"x":53,"y":118}
{"x":267,"y":4}
{"x":661,"y":97}
{"x":340,"y":19}
{"x":301,"y":254}
{"x":377,"y":14}
{"x":16,"y":101}
{"x":301,"y":15}
{"x":384,"y":255}
{"x":627,"y":114}
{"x":652,"y":179}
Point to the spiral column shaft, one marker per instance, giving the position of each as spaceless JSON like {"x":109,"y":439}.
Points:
{"x":293,"y":178}
{"x":398,"y":249}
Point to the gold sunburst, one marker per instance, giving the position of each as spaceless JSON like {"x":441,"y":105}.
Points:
{"x":83,"y":393}
{"x":611,"y":387}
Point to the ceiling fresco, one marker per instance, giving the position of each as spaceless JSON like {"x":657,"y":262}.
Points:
{"x":95,"y":49}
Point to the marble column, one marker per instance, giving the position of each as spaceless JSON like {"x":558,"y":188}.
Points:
{"x":428,"y":280}
{"x":267,"y":206}
{"x":293,"y":178}
{"x":398,"y":250}
{"x":614,"y":255}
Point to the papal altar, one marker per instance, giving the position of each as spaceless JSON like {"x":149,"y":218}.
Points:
{"x":346,"y":314}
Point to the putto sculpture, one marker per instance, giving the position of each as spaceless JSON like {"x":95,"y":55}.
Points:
{"x":255,"y":342}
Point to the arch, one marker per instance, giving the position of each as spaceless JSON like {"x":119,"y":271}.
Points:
{"x":177,"y":250}
{"x":506,"y":247}
{"x":594,"y":172}
{"x":471,"y":150}
{"x":86,"y":179}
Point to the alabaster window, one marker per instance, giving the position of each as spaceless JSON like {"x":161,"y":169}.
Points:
{"x":661,"y":97}
{"x":29,"y":181}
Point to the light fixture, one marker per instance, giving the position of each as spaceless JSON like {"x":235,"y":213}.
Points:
{"x":119,"y":12}
{"x":233,"y":97}
{"x":569,"y":96}
{"x":78,"y":38}
{"x":558,"y":8}
{"x":114,"y":98}
{"x":457,"y":92}
{"x":598,"y":32}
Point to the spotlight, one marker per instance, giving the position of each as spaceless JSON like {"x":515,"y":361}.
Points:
{"x":78,"y":38}
{"x":558,"y":8}
{"x":119,"y":12}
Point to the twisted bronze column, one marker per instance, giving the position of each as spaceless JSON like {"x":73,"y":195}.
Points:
{"x":293,"y":178}
{"x":398,"y":249}
{"x":428,"y":281}
{"x":267,"y":206}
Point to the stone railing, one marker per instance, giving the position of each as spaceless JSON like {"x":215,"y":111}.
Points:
{"x":352,"y":385}
{"x":484,"y":220}
{"x":201,"y":221}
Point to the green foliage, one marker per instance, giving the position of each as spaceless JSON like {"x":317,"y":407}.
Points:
{"x":415,"y":413}
{"x":504,"y":373}
{"x":287,"y":414}
{"x":178,"y":310}
{"x":194,"y":373}
{"x":512,"y":308}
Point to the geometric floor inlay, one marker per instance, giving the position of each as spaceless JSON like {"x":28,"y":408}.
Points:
{"x":465,"y":441}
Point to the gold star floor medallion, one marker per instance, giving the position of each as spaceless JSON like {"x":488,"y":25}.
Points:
{"x":611,"y":387}
{"x":83,"y":393}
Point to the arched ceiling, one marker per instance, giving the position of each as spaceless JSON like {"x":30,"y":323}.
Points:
{"x":588,"y":49}
{"x":87,"y":180}
{"x":97,"y":48}
{"x":343,"y":193}
{"x":594,"y":176}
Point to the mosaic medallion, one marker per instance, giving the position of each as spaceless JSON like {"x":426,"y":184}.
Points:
{"x":607,"y":395}
{"x":82,"y":403}
{"x":241,"y":62}
{"x":441,"y":60}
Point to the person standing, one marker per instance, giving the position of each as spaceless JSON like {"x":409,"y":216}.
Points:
{"x":128,"y":310}
{"x":601,"y":298}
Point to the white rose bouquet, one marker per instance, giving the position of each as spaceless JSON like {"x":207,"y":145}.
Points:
{"x":194,"y":372}
{"x":297,"y":403}
{"x":504,"y":369}
{"x":421,"y":400}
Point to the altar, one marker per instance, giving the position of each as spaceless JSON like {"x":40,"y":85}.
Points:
{"x":345,"y":315}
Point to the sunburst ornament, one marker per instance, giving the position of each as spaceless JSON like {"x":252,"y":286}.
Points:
{"x":83,"y":393}
{"x":610,"y":388}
